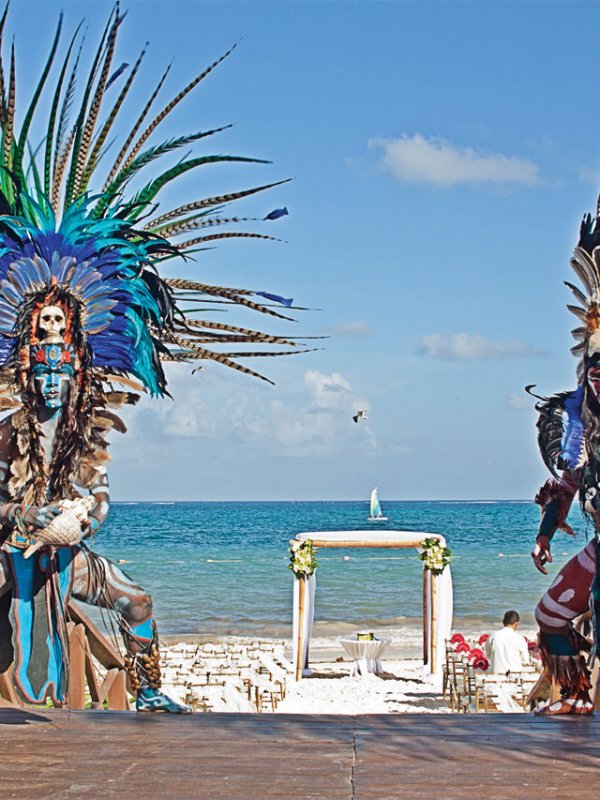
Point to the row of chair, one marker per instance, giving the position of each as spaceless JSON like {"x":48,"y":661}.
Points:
{"x":470,"y":691}
{"x":249,"y":677}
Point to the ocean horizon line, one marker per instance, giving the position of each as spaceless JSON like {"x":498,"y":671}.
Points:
{"x":327,"y":501}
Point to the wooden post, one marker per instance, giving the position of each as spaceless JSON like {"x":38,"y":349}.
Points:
{"x":433,"y":600}
{"x":117,"y":693}
{"x":300,"y":632}
{"x":77,"y":659}
{"x":7,"y":689}
{"x":425,"y":617}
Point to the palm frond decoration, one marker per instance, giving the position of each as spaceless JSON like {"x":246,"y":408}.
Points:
{"x":74,"y":227}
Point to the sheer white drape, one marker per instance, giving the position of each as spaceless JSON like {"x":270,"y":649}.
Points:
{"x":309,"y":613}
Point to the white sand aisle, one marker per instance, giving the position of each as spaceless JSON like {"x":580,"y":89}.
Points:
{"x":330,"y":690}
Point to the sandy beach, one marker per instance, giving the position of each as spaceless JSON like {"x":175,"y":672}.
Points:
{"x":210,"y":673}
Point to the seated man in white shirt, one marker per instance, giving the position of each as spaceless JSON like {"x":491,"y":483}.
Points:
{"x":506,"y":649}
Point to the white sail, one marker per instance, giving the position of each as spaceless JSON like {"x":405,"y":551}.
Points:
{"x":375,"y":505}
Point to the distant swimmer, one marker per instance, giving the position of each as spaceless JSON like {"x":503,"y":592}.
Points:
{"x":360,"y":415}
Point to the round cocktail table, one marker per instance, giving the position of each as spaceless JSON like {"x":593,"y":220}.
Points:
{"x":365,"y":654}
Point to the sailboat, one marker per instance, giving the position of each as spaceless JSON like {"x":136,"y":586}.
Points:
{"x":376,"y":513}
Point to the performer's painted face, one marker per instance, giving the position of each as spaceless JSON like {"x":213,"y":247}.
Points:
{"x":52,"y":370}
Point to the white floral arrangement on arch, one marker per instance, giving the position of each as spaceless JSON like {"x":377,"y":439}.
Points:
{"x":303,"y":561}
{"x":435,"y":556}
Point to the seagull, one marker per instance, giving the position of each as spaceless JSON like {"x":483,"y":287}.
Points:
{"x":360,"y":415}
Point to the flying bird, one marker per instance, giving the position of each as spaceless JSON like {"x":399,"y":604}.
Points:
{"x":360,"y":415}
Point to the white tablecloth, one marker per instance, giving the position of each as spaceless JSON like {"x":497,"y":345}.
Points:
{"x":365,"y":653}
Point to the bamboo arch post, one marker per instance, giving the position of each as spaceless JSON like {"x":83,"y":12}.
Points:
{"x":300,"y":632}
{"x":433,"y":623}
{"x":426,"y":636}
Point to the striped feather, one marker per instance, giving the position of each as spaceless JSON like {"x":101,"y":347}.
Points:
{"x":201,"y":353}
{"x":579,"y":312}
{"x":579,"y":295}
{"x":123,"y":151}
{"x":104,"y":131}
{"x":81,"y":117}
{"x":94,"y":110}
{"x":149,"y":192}
{"x":230,"y":235}
{"x":585,"y":270}
{"x":209,"y":201}
{"x":170,"y":106}
{"x":193,"y":224}
{"x":2,"y":83}
{"x":53,"y":116}
{"x":8,"y":128}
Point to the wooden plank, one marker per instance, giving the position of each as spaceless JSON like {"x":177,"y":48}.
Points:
{"x":101,"y":648}
{"x":370,"y":757}
{"x":92,"y":677}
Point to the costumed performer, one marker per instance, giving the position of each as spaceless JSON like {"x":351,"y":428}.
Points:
{"x":569,"y":441}
{"x":85,"y":321}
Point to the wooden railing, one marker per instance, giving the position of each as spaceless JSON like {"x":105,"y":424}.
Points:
{"x":88,"y":648}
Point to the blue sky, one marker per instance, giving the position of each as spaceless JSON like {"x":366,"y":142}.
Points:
{"x":443,"y":155}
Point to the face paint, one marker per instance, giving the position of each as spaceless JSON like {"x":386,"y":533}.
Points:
{"x":593,"y":382}
{"x":52,"y":370}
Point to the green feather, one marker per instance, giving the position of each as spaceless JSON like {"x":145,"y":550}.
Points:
{"x":175,"y":101}
{"x":53,"y":115}
{"x":20,"y":149}
{"x":149,"y":192}
{"x":104,"y":131}
{"x":94,"y":110}
{"x":207,"y":202}
{"x":134,"y":130}
{"x":79,"y":125}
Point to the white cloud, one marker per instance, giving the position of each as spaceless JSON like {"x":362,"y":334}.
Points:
{"x":316,"y":420}
{"x":471,"y":347}
{"x":354,"y":328}
{"x":518,"y":402}
{"x":416,"y":159}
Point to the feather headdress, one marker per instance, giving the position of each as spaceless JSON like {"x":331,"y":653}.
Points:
{"x":90,"y":238}
{"x":586,"y":265}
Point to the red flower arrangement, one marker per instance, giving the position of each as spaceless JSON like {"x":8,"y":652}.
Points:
{"x":475,"y":655}
{"x":483,"y":638}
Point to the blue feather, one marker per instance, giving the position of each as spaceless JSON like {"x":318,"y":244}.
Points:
{"x":572,"y":443}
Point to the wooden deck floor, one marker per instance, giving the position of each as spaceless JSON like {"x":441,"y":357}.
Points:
{"x":84,"y":755}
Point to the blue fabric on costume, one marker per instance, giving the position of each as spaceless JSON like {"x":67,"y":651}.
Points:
{"x":40,"y":594}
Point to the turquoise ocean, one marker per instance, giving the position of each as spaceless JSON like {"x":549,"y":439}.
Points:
{"x":220,"y":568}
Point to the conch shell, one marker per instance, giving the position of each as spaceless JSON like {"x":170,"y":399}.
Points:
{"x":65,"y":529}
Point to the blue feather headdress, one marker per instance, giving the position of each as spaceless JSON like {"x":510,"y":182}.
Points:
{"x":103,"y":251}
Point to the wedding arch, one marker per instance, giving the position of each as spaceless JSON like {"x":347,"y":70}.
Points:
{"x":437,"y":591}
